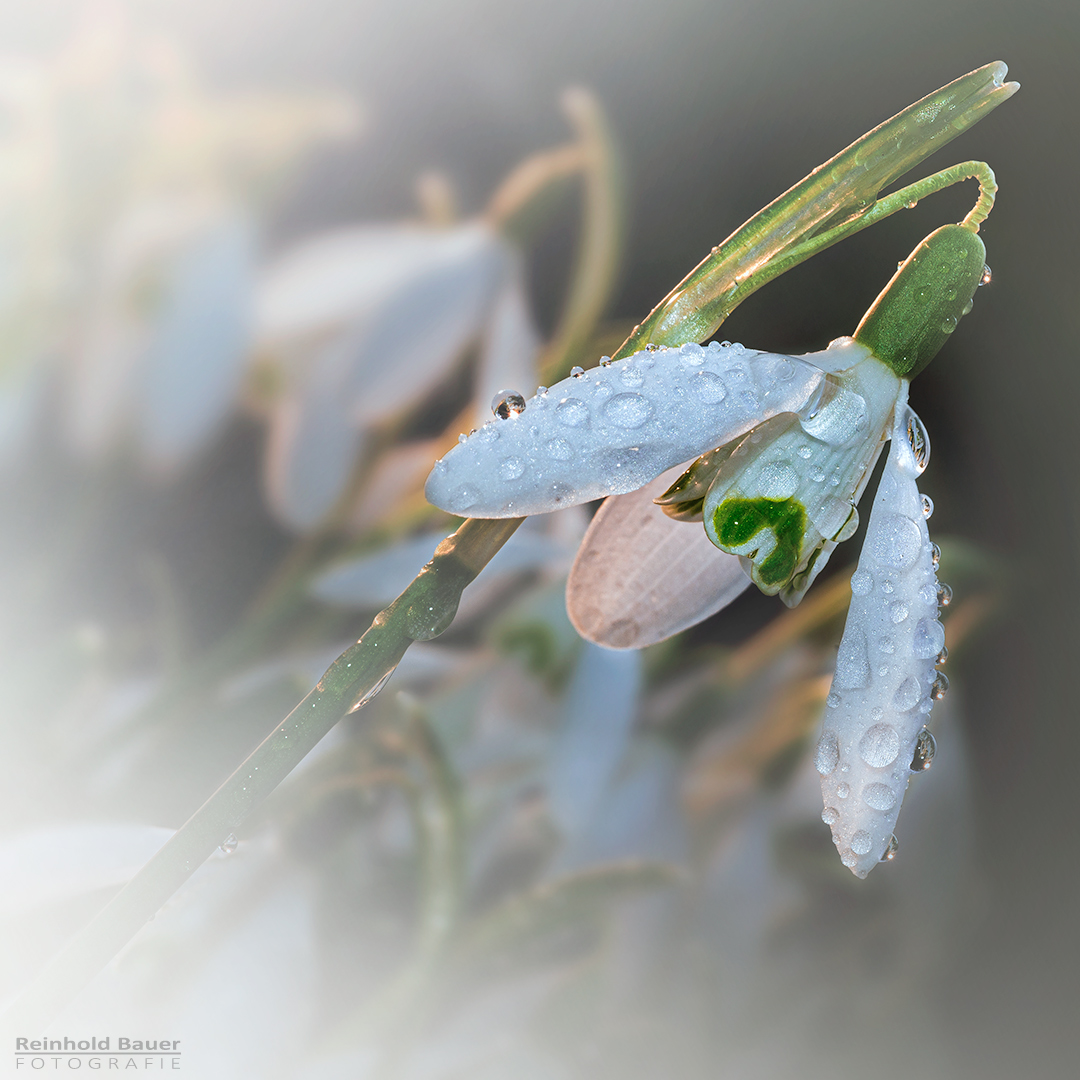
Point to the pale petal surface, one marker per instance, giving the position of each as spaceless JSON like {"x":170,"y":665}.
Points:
{"x":612,"y":429}
{"x":640,"y":576}
{"x":882,"y":692}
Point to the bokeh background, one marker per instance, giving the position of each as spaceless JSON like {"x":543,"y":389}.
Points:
{"x":716,"y":108}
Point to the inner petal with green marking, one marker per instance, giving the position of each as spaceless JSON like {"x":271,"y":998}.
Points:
{"x":738,"y":523}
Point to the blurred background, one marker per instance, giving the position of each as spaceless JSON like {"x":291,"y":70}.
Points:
{"x":259,"y":264}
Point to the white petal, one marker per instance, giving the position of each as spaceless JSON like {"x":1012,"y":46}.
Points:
{"x":195,"y":362}
{"x":511,"y":344}
{"x":640,"y":576}
{"x":885,"y":671}
{"x":616,"y":427}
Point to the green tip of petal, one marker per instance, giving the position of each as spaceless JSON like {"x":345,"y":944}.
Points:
{"x":929,"y":294}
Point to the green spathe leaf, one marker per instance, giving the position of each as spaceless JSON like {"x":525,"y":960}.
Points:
{"x":927,"y":296}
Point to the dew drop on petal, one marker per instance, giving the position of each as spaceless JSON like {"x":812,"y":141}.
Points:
{"x":939,"y":686}
{"x":832,"y":700}
{"x":511,"y":468}
{"x":849,"y":859}
{"x":987,"y":275}
{"x":918,"y":440}
{"x":778,"y":480}
{"x":572,"y":412}
{"x":576,"y":372}
{"x":935,"y":555}
{"x":929,"y":639}
{"x":507,"y":403}
{"x":843,"y":789}
{"x":860,"y":842}
{"x":925,"y":749}
{"x":229,"y":844}
{"x":879,"y":796}
{"x":708,"y":388}
{"x":489,"y":433}
{"x":560,"y":449}
{"x":927,"y":506}
{"x":879,"y":746}
{"x":907,"y":694}
{"x":805,"y":452}
{"x":830,"y":815}
{"x":463,"y":498}
{"x":828,"y":753}
{"x":631,"y":377}
{"x":890,"y":849}
{"x":944,"y":595}
{"x":627,"y":410}
{"x":898,"y":611}
{"x":897,"y":542}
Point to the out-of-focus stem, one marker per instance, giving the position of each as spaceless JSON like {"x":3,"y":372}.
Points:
{"x":424,"y":610}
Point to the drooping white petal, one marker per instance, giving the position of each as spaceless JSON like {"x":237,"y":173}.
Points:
{"x":882,"y":692}
{"x":611,"y":430}
{"x":641,"y":576}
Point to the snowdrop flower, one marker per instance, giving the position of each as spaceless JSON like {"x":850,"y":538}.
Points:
{"x":365,"y":322}
{"x":787,"y":446}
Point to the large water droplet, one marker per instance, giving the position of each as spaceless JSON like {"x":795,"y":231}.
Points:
{"x":898,"y":611}
{"x":511,"y":468}
{"x":897,"y":542}
{"x":880,"y":746}
{"x":576,"y":372}
{"x":849,"y":859}
{"x":928,"y":639}
{"x":890,"y":849}
{"x":507,"y":403}
{"x":828,"y":753}
{"x":830,"y":815}
{"x":925,"y":749}
{"x":778,"y":480}
{"x":860,"y":842}
{"x":572,"y":412}
{"x":948,"y":324}
{"x":861,"y":582}
{"x":230,"y":844}
{"x":907,"y":694}
{"x":944,"y":595}
{"x":927,"y":506}
{"x":627,"y":410}
{"x":918,"y":440}
{"x":939,"y":686}
{"x":879,"y":796}
{"x":631,"y":377}
{"x":839,"y":420}
{"x":708,"y":388}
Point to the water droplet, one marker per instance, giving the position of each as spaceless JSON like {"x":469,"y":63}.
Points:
{"x":572,"y":412}
{"x":897,"y":542}
{"x":489,"y":433}
{"x":888,"y":586}
{"x":560,"y":449}
{"x":907,"y":694}
{"x":942,"y":656}
{"x":541,"y":391}
{"x":511,"y":468}
{"x":966,"y":309}
{"x":879,"y":746}
{"x":507,"y":403}
{"x":860,"y":842}
{"x":627,"y":410}
{"x":898,"y":611}
{"x":987,"y":275}
{"x":843,"y":789}
{"x":462,"y":437}
{"x":928,"y":593}
{"x":883,"y":670}
{"x":830,"y":815}
{"x":877,"y":712}
{"x":926,"y":706}
{"x":939,"y":686}
{"x":927,"y":506}
{"x":925,"y":749}
{"x":708,"y":388}
{"x":817,"y":474}
{"x":887,"y":646}
{"x":929,"y":638}
{"x":852,"y":663}
{"x":229,"y":844}
{"x":832,"y":700}
{"x":805,"y":452}
{"x":463,"y":498}
{"x":576,"y":372}
{"x":935,"y":555}
{"x":631,"y":377}
{"x":918,"y":440}
{"x":861,"y":582}
{"x":890,"y":849}
{"x":778,"y":480}
{"x":944,"y":595}
{"x":828,"y":753}
{"x":849,"y":859}
{"x":879,"y":796}
{"x":651,"y":347}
